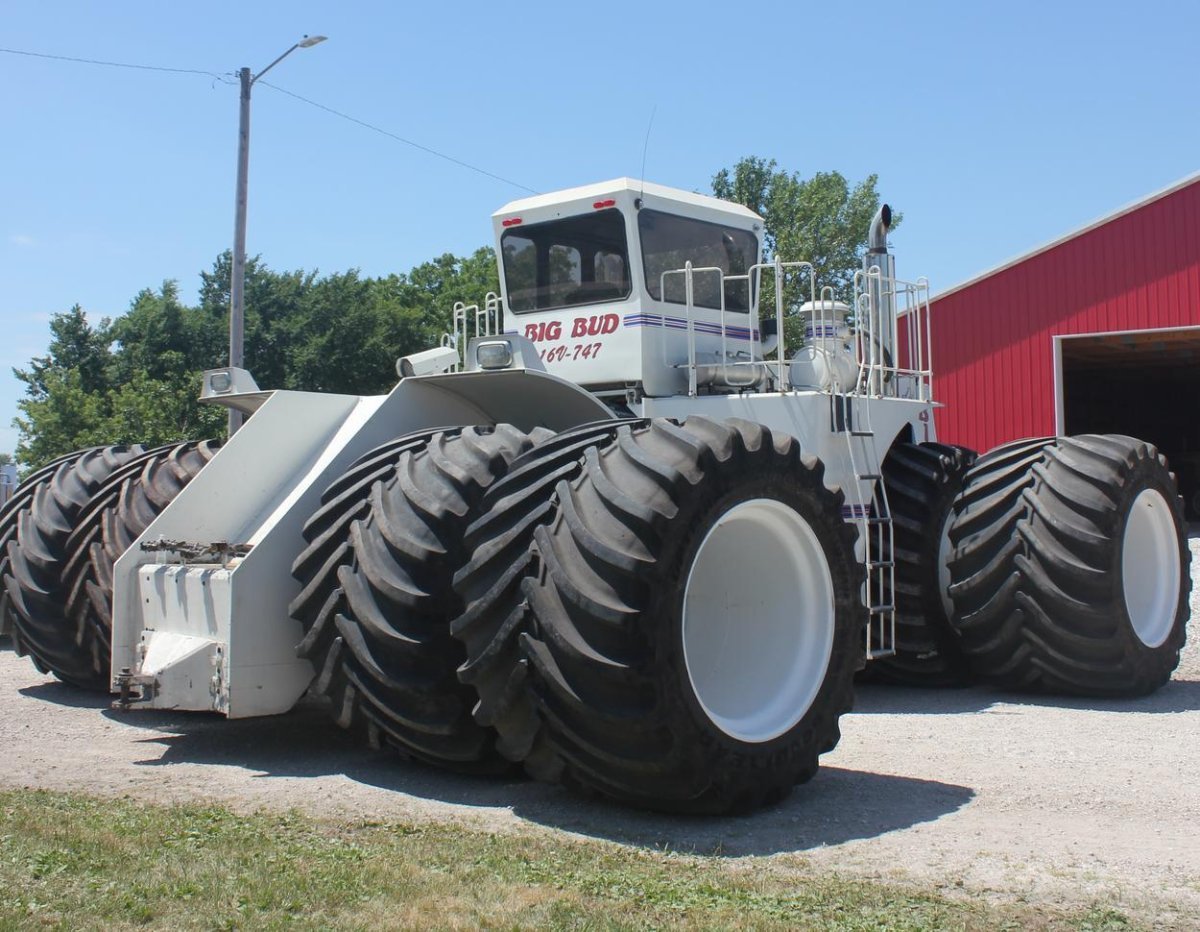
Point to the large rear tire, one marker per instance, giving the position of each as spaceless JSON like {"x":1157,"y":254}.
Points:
{"x":489,"y":586}
{"x":75,"y":525}
{"x":118,"y":514}
{"x":922,"y":481}
{"x":377,"y":593}
{"x":697,"y":618}
{"x":1070,"y":568}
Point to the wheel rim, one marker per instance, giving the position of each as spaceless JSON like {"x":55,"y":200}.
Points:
{"x":945,"y":578}
{"x":1150,"y":567}
{"x":758,"y":620}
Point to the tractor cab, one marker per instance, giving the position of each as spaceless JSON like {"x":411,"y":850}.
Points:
{"x":596,"y":278}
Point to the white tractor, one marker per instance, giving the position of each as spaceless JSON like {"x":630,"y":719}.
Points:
{"x":614,"y":530}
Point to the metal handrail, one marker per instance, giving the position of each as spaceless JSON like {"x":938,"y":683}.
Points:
{"x":781,"y":271}
{"x":488,"y":321}
{"x":911,"y":300}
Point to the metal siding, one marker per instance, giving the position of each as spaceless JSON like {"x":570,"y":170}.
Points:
{"x":993,"y":340}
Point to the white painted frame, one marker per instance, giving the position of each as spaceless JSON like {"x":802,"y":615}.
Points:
{"x":1058,"y":338}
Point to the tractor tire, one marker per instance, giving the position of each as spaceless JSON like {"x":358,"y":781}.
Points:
{"x":23,"y":495}
{"x":922,"y":481}
{"x":377,"y":595}
{"x":696,"y":619}
{"x":119,"y":512}
{"x":1070,"y":571}
{"x":489,"y":587}
{"x":347,"y":499}
{"x":34,"y":582}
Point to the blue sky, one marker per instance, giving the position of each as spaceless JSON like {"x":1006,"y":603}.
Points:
{"x":994,"y":127}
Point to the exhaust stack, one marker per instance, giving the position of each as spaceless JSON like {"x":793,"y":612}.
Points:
{"x":880,"y":325}
{"x":880,"y":224}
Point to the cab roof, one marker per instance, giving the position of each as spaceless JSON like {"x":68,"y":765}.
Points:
{"x":621,"y":186}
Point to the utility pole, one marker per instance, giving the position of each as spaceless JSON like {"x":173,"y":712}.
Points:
{"x":237,"y":285}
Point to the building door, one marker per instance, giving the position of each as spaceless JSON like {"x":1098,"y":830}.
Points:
{"x":1142,"y":383}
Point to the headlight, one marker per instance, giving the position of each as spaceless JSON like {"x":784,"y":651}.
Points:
{"x":497,"y":355}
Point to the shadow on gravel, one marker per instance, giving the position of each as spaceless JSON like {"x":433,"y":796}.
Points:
{"x":878,"y":699}
{"x":64,"y":695}
{"x":839,"y":805}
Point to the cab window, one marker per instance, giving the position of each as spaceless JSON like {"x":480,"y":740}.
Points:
{"x":564,"y":263}
{"x":669,"y":242}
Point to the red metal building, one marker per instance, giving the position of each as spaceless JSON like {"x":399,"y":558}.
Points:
{"x":1098,"y":331}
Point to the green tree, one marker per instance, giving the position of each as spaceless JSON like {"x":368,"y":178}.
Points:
{"x":64,"y":389}
{"x":823,"y":220}
{"x":137,"y":379}
{"x":61,"y":417}
{"x":74,"y":345}
{"x":5,"y":459}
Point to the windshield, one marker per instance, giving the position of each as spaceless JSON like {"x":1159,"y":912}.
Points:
{"x":578,"y":260}
{"x":668,"y":242}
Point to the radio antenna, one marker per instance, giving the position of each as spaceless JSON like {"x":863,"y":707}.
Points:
{"x":646,"y":146}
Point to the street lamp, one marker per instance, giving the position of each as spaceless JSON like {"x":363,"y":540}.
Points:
{"x":237,"y":288}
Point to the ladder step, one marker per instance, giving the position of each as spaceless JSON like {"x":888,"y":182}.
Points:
{"x":880,"y":519}
{"x":861,"y":433}
{"x":882,"y":609}
{"x":870,"y":477}
{"x":881,"y":564}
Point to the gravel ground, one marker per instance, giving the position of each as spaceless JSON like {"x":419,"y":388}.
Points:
{"x":973,"y":792}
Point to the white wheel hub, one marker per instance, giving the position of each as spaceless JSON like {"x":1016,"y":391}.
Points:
{"x":1150,"y":567}
{"x":758,"y":620}
{"x":945,"y":549}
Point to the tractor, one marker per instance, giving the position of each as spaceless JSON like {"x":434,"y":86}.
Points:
{"x":620,"y":529}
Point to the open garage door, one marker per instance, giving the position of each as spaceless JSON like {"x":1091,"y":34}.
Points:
{"x":1143,"y":383}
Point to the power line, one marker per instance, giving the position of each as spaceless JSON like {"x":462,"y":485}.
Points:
{"x":228,"y":79}
{"x":407,"y":142}
{"x":119,"y":64}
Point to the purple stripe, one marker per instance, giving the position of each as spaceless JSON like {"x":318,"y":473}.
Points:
{"x":680,"y":323}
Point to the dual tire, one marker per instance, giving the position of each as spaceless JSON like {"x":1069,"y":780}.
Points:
{"x":1070,"y":567}
{"x":667,"y":614}
{"x":63,"y":532}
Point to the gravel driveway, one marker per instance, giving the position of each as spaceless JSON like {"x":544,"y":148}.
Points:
{"x":970,"y":791}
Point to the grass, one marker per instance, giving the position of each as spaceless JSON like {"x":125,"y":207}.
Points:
{"x":75,"y":862}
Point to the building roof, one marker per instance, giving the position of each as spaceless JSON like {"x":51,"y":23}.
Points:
{"x":620,"y":185}
{"x":1080,"y":231}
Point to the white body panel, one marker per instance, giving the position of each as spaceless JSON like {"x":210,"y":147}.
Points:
{"x":259,"y":490}
{"x":807,"y":416}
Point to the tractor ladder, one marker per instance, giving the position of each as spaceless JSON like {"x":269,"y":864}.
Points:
{"x":867,"y":506}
